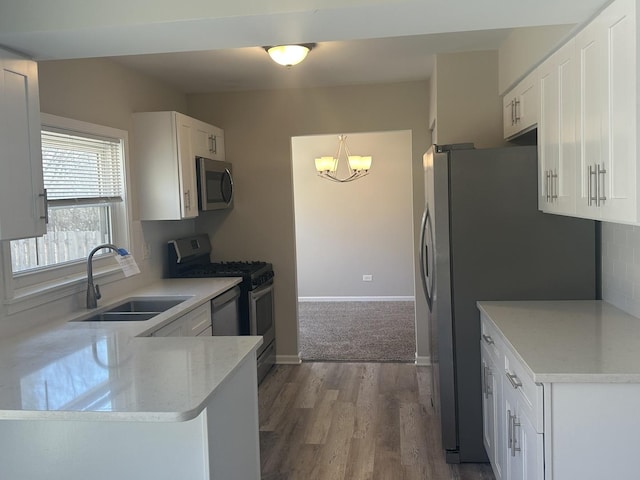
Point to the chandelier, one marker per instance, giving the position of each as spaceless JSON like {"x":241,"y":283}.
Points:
{"x":357,"y":166}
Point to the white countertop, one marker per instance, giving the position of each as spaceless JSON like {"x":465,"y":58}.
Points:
{"x":113,"y":370}
{"x":570,"y":341}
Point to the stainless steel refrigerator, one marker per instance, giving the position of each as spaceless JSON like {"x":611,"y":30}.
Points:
{"x":483,"y":238}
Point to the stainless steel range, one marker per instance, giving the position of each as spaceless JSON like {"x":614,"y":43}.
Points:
{"x":190,"y":258}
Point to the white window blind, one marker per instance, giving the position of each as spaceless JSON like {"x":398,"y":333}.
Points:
{"x":81,"y":170}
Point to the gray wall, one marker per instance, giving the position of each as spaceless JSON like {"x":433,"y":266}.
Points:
{"x":345,"y":230}
{"x":258,"y":130}
{"x":468,"y":108}
{"x":102,"y":92}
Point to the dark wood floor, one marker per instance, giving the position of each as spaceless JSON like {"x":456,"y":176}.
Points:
{"x":353,"y":421}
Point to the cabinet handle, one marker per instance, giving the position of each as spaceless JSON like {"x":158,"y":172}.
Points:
{"x":547,"y":175}
{"x":509,"y":432}
{"x":484,"y":381}
{"x":599,"y":171}
{"x":554,"y":182}
{"x":514,"y":380}
{"x":514,"y":438}
{"x":187,"y":196}
{"x":45,"y":203}
{"x":214,"y":143}
{"x":516,"y":107}
{"x":488,"y":383}
{"x":488,"y":339}
{"x":591,"y":197}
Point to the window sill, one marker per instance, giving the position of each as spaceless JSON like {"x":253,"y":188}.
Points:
{"x":46,"y":292}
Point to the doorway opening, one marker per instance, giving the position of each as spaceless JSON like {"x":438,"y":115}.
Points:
{"x":355,"y":251}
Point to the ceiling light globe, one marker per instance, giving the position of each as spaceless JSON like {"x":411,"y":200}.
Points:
{"x":288,"y":55}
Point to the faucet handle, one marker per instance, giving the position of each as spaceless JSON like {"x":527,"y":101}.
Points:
{"x":98,"y":294}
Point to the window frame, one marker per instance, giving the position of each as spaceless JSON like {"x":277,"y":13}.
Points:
{"x":30,"y":288}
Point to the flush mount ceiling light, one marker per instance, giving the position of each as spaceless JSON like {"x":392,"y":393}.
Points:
{"x":358,"y":166}
{"x":289,"y":55}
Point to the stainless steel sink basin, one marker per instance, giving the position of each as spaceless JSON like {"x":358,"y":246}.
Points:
{"x":135,"y":309}
{"x":147,"y":304}
{"x":120,"y":317}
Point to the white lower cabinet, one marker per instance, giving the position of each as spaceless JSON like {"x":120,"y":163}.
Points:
{"x":492,"y":412}
{"x":191,"y":324}
{"x":512,"y":408}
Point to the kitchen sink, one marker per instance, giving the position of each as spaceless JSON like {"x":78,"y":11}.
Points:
{"x":135,"y":309}
{"x":147,"y":304}
{"x":120,"y":317}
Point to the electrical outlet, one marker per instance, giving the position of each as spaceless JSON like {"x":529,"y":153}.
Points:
{"x":146,"y":251}
{"x":367,"y":278}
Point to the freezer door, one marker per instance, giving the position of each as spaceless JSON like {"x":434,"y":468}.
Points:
{"x":443,"y":386}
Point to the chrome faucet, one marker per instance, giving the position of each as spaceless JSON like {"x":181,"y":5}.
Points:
{"x":93,"y":292}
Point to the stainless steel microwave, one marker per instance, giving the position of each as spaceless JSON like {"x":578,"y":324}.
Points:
{"x":215,"y":184}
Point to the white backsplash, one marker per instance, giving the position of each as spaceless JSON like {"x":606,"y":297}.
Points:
{"x":621,"y":266}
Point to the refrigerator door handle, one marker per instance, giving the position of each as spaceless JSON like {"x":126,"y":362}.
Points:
{"x":425,"y":274}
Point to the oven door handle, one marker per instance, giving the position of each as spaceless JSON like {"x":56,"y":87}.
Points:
{"x":261,"y":291}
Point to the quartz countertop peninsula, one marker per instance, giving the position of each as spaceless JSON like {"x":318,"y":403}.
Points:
{"x":581,"y":341}
{"x":113,"y":370}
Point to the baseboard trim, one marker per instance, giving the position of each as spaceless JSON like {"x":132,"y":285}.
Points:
{"x":288,"y":359}
{"x":423,"y":361}
{"x":357,"y":299}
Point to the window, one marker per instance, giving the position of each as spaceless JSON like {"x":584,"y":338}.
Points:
{"x":84,"y":174}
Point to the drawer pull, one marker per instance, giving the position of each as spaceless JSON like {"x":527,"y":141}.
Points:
{"x":514,"y":380}
{"x":488,"y":339}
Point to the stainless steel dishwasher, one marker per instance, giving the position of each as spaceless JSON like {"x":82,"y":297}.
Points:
{"x":225,"y":313}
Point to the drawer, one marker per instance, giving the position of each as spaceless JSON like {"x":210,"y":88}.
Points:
{"x":492,"y":340}
{"x":530,"y":394}
{"x":198,"y":320}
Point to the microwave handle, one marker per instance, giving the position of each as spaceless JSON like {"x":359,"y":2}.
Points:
{"x":227,"y":178}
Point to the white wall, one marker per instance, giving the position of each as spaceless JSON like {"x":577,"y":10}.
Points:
{"x":526,"y":47}
{"x":621,"y":266}
{"x":345,"y":230}
{"x":104,"y":93}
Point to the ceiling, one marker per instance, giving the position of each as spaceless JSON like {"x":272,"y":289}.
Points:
{"x":204,"y":46}
{"x":379,"y":60}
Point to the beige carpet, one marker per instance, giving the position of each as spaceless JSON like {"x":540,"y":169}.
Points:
{"x":357,"y":331}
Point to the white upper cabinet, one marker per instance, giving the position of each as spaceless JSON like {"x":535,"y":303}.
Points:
{"x":208,"y":141}
{"x":556,"y":132}
{"x":22,"y":197}
{"x":165,"y":166}
{"x":607,"y":174}
{"x":520,"y":107}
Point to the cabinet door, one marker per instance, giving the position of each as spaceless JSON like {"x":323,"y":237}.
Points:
{"x":491,"y":412}
{"x":606,"y":129}
{"x":208,"y":141}
{"x":556,"y":132}
{"x":524,"y":445}
{"x":520,"y":107}
{"x":548,"y":140}
{"x":590,"y":151}
{"x":173,"y":329}
{"x":617,"y":188}
{"x":187,"y":167}
{"x":22,"y":200}
{"x":527,"y":101}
